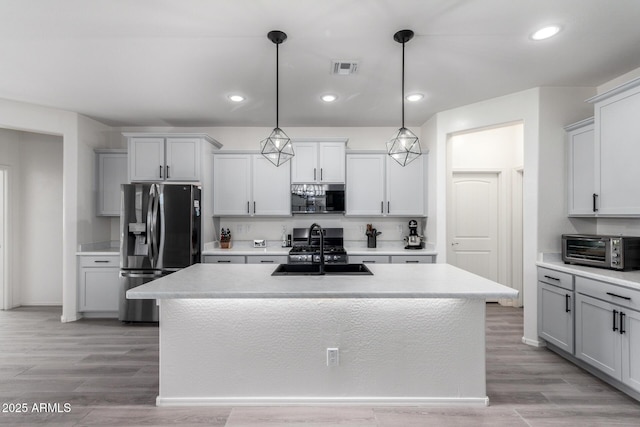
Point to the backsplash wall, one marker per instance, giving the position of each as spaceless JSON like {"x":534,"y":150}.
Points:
{"x":624,"y":226}
{"x":393,"y":229}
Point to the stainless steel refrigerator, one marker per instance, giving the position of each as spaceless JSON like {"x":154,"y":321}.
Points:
{"x":159,"y":234}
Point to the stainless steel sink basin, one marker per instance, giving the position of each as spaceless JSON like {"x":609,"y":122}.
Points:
{"x":329,"y":269}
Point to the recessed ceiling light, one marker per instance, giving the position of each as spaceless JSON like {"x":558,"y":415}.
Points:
{"x":546,"y":32}
{"x":236,"y":98}
{"x":328,"y":98}
{"x":414,"y":97}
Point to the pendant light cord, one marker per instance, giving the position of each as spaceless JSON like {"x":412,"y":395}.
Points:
{"x":403,"y":84}
{"x":277,"y":85}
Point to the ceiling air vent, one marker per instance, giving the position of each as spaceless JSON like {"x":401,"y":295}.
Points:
{"x":343,"y":68}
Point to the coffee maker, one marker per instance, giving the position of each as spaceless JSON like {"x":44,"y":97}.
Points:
{"x":414,"y":240}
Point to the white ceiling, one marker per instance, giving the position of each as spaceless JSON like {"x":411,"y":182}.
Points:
{"x":173,"y":62}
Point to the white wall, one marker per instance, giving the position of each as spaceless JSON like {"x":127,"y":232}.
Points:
{"x":495,"y":148}
{"x":40,"y":228}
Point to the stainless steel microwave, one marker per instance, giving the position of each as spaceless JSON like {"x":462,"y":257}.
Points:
{"x":317,"y":198}
{"x":613,"y":252}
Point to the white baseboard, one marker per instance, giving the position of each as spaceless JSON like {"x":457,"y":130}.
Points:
{"x":296,"y":401}
{"x":534,"y":343}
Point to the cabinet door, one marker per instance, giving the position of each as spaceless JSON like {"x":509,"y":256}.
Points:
{"x":617,"y":133}
{"x":406,"y":187}
{"x":231,"y":184}
{"x":596,"y":341}
{"x":365,"y":184}
{"x":223,"y":259}
{"x":332,"y":162}
{"x":271,"y":188}
{"x":99,"y":289}
{"x":183,"y":159}
{"x":581,"y":172}
{"x":304,"y":165}
{"x":555,"y":316}
{"x":146,"y":159}
{"x":112,"y":172}
{"x":631,"y":349}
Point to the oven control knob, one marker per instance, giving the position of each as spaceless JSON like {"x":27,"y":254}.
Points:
{"x":615,"y":255}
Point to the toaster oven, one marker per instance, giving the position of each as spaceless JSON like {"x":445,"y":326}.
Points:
{"x":613,"y":252}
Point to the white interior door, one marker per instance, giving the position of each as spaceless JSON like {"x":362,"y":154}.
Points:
{"x":473,"y":223}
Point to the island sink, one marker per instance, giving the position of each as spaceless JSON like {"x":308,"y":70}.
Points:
{"x":329,"y":269}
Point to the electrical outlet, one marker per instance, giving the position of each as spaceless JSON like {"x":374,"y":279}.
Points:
{"x":332,"y":357}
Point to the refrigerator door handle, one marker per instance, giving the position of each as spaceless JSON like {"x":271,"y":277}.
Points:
{"x":125,"y":274}
{"x":150,"y":227}
{"x":159,"y":212}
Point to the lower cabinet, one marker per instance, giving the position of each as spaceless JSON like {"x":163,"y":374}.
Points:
{"x":223,"y":259}
{"x":99,"y":285}
{"x":608,"y":338}
{"x":556,"y":308}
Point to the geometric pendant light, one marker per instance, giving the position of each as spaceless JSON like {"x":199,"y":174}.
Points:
{"x":404,"y":147}
{"x":277,"y":147}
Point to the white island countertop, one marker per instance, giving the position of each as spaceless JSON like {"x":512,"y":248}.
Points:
{"x":256,"y":281}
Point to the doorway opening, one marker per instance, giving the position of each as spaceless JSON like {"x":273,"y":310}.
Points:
{"x":484,"y":204}
{"x":4,"y":250}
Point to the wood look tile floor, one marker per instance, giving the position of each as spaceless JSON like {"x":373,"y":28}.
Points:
{"x":107,"y":373}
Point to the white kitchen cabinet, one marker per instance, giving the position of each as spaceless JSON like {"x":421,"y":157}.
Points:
{"x":581,"y":166}
{"x":378,"y":186}
{"x":167,"y":157}
{"x":318,"y":161}
{"x":249,"y":184}
{"x":223,"y":259}
{"x":412,"y":259}
{"x":369,"y":259}
{"x":555,"y":308}
{"x":608,"y":329}
{"x":616,"y":135}
{"x":111,"y":173}
{"x":99,"y":285}
{"x":267,"y":259}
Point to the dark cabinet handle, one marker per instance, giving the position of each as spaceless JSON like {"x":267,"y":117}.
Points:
{"x":619,"y":296}
{"x":615,"y":327}
{"x":266,"y":261}
{"x":551,"y":278}
{"x":622,"y":315}
{"x":381,"y":207}
{"x":254,"y":207}
{"x":415,"y":261}
{"x":248,"y":207}
{"x":160,"y":171}
{"x":221,"y":261}
{"x":595,"y":202}
{"x":101,"y":261}
{"x":314,"y":174}
{"x":320,"y":174}
{"x":167,"y":171}
{"x":388,"y":207}
{"x":364,"y":261}
{"x":567,"y":303}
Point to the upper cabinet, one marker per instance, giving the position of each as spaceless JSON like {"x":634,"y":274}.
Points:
{"x":318,"y":161}
{"x":250,"y":185}
{"x":111,"y":173}
{"x":581,"y":193}
{"x":617,"y":148}
{"x":378,"y":186}
{"x":167,"y":157}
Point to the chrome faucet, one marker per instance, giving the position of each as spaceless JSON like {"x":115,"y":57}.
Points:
{"x":321,"y":231}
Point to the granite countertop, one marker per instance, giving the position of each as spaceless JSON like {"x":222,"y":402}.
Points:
{"x":245,"y":247}
{"x":629,"y":279}
{"x":387,"y":281}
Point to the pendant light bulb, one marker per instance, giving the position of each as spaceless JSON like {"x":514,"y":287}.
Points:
{"x":277,"y":147}
{"x":404,"y":147}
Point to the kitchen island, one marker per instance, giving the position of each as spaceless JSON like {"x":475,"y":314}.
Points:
{"x":407,"y":335}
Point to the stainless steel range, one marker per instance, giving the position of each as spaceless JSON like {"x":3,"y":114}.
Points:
{"x":307,"y":251}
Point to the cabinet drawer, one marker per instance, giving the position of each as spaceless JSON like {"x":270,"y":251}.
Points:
{"x":100,"y":261}
{"x":608,"y":292}
{"x":267,"y":259}
{"x":412,"y":259}
{"x":223,"y":259}
{"x":556,"y":278}
{"x":368,"y":259}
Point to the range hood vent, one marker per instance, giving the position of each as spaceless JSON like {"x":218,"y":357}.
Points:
{"x":344,"y":68}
